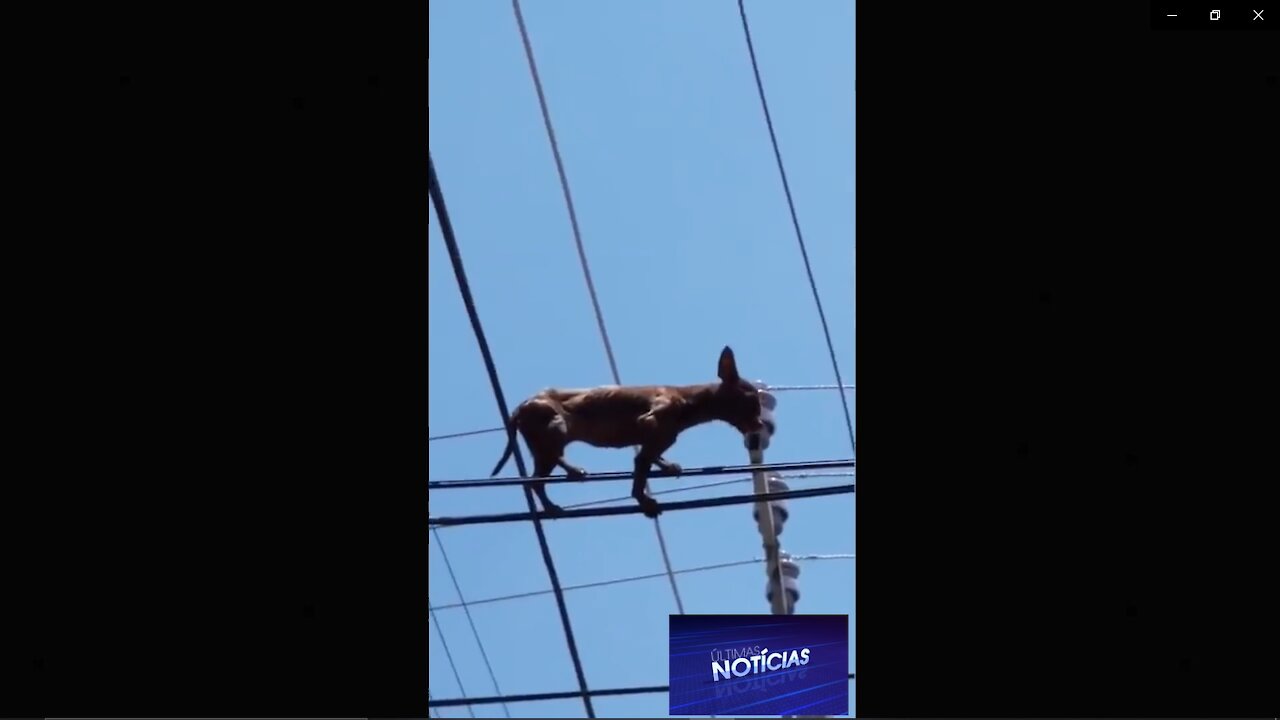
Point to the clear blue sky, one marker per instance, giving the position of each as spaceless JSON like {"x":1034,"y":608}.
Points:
{"x":691,"y":246}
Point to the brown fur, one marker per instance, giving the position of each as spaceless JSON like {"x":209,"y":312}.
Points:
{"x":616,"y":416}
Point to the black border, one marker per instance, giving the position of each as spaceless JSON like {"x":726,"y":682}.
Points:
{"x":231,"y":517}
{"x":1062,"y":382}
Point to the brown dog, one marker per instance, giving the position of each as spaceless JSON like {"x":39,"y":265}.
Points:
{"x":615,"y":416}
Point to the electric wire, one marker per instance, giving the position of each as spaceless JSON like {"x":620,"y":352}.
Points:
{"x":637,"y":578}
{"x":772,"y":388}
{"x":627,"y":475}
{"x":795,"y":222}
{"x":703,"y":486}
{"x":448,"y":656}
{"x":636,"y":509}
{"x":534,"y":697}
{"x":582,"y":257}
{"x":470,"y":621}
{"x":464,"y":289}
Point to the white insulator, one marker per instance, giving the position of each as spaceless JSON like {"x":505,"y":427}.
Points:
{"x":793,"y":592}
{"x":780,"y":512}
{"x":790,"y":580}
{"x":790,"y":569}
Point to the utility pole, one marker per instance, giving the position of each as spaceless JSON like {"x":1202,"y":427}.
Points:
{"x":782,"y":572}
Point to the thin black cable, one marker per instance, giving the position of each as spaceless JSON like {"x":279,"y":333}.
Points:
{"x":636,"y":509}
{"x":627,"y":475}
{"x":772,"y":388}
{"x":470,"y":621}
{"x":795,"y":221}
{"x":469,"y":433}
{"x":464,"y":288}
{"x":704,"y":486}
{"x":448,"y":656}
{"x":582,"y":257}
{"x":638,"y":578}
{"x":533,"y":697}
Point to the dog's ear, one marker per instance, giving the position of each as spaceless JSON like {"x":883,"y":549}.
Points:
{"x":728,"y":367}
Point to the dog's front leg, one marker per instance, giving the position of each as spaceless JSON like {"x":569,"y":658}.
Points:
{"x":650,"y":454}
{"x":660,"y":421}
{"x":639,"y":487}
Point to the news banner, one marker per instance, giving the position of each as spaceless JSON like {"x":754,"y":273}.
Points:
{"x":730,"y":665}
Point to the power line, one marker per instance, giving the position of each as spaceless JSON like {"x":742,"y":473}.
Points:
{"x":772,"y":388}
{"x":795,"y":222}
{"x":635,"y":509}
{"x":788,"y":388}
{"x":475,"y":633}
{"x":582,"y":257}
{"x":688,"y":488}
{"x":704,"y":486}
{"x":621,"y":475}
{"x":464,"y":289}
{"x":533,"y":697}
{"x":450,"y":436}
{"x":448,"y":656}
{"x":637,"y":578}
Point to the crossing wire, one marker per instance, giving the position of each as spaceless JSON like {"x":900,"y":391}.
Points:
{"x":534,"y":697}
{"x":772,"y":388}
{"x":688,"y":472}
{"x":704,"y":486}
{"x":582,"y":257}
{"x":637,"y":578}
{"x":448,"y":656}
{"x":795,"y":222}
{"x":636,"y":509}
{"x":470,"y":621}
{"x":464,"y":289}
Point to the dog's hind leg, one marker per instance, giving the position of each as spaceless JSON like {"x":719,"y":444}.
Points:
{"x":544,"y":432}
{"x":667,"y":466}
{"x":558,"y":438}
{"x":570,"y":469}
{"x":542,"y":468}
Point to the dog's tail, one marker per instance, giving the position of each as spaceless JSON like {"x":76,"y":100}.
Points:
{"x":511,"y":442}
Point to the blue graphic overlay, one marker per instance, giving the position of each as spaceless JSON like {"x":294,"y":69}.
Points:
{"x":759,"y":665}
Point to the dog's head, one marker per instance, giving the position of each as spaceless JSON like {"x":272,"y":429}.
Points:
{"x":737,"y":401}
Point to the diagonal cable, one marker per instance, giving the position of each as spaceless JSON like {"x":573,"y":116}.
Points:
{"x":448,"y":655}
{"x":582,"y":257}
{"x":475,"y":633}
{"x":795,"y":222}
{"x":637,"y":578}
{"x":704,"y":486}
{"x":464,"y":289}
